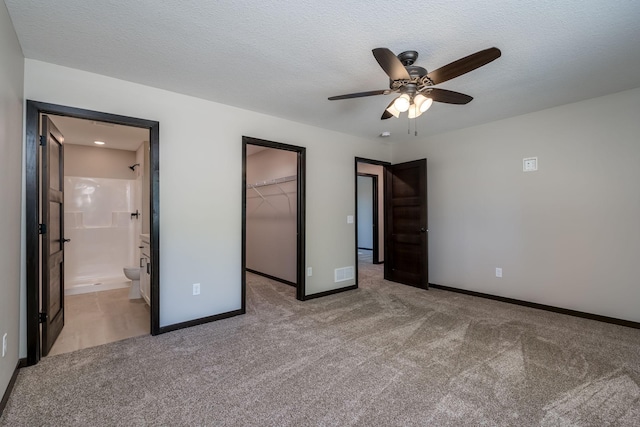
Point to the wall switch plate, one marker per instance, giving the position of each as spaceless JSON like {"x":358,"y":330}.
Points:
{"x":498,"y":272}
{"x":349,"y":219}
{"x":4,"y":345}
{"x":309,"y":271}
{"x":196,"y":289}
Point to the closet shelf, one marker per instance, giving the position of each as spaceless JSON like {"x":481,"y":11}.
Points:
{"x":273,"y":181}
{"x":277,"y":183}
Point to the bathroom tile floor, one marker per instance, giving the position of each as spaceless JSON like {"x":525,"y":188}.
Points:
{"x":97,"y":318}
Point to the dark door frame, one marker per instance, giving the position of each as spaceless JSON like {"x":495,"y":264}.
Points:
{"x":374,"y":213}
{"x":32,"y":140}
{"x":384,"y":179}
{"x":300,"y":208}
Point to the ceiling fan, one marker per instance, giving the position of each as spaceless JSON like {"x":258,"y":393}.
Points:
{"x":416,"y":86}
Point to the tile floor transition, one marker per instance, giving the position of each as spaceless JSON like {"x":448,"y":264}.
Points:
{"x":97,"y":318}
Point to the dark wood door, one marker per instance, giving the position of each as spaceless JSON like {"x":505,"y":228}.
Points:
{"x":406,"y":257}
{"x":52,"y":229}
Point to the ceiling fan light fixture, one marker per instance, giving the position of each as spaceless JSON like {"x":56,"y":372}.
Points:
{"x":414,"y":111}
{"x":402,"y":103}
{"x":393,"y":111}
{"x":422,"y":103}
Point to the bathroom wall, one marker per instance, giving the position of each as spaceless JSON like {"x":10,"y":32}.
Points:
{"x":142,"y":157}
{"x":271,"y":221}
{"x":98,"y":162}
{"x":101,"y":192}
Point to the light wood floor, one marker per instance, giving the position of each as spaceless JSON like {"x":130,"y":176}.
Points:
{"x":97,"y":318}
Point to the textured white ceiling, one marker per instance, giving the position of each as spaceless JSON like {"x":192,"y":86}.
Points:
{"x":284,"y":58}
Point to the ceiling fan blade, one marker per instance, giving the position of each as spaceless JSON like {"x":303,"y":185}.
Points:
{"x":360,"y":94}
{"x":447,"y":96}
{"x":464,"y":65}
{"x":390,"y":64}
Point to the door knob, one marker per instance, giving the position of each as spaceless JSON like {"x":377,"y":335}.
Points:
{"x":423,"y":230}
{"x":63,"y":240}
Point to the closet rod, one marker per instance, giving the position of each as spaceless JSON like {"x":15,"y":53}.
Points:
{"x":273,"y":181}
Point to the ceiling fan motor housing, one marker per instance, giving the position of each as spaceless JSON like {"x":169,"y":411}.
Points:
{"x":408,"y":57}
{"x":418,"y":77}
{"x":415,"y":72}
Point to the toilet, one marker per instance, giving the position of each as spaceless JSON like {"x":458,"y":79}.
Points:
{"x":133,"y":274}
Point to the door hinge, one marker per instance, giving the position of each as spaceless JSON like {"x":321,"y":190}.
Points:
{"x":42,"y":317}
{"x":42,"y":228}
{"x":43,"y":140}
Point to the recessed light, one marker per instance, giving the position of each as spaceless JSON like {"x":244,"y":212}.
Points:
{"x":385,"y":134}
{"x":98,"y":142}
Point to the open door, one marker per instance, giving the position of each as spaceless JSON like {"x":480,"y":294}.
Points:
{"x":52,"y":229}
{"x":406,"y":258}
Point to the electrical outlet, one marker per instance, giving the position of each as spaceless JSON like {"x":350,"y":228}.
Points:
{"x":349,"y":219}
{"x":498,"y":272}
{"x":196,"y":289}
{"x":309,"y":271}
{"x":4,"y":345}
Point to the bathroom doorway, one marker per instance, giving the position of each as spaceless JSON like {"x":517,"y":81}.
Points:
{"x":273,"y":207}
{"x":110,"y":192}
{"x":106,"y":184}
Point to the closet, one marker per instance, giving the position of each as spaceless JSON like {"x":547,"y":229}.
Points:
{"x":271,"y":213}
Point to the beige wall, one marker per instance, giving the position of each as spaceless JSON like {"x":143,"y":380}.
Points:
{"x":272,"y":224}
{"x":97,"y":162}
{"x":379,"y":171}
{"x":567,"y":235}
{"x":200,"y":184}
{"x":11,"y":107}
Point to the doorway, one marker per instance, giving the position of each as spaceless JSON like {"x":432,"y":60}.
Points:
{"x":273,"y":213}
{"x":38,"y":310}
{"x":402,"y":227}
{"x":105,"y":216}
{"x":368,"y":215}
{"x":369,"y":218}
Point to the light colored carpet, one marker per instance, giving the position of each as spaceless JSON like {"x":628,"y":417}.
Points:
{"x":382,"y":355}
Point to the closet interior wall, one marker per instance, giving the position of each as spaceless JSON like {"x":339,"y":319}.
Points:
{"x":271,"y":212}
